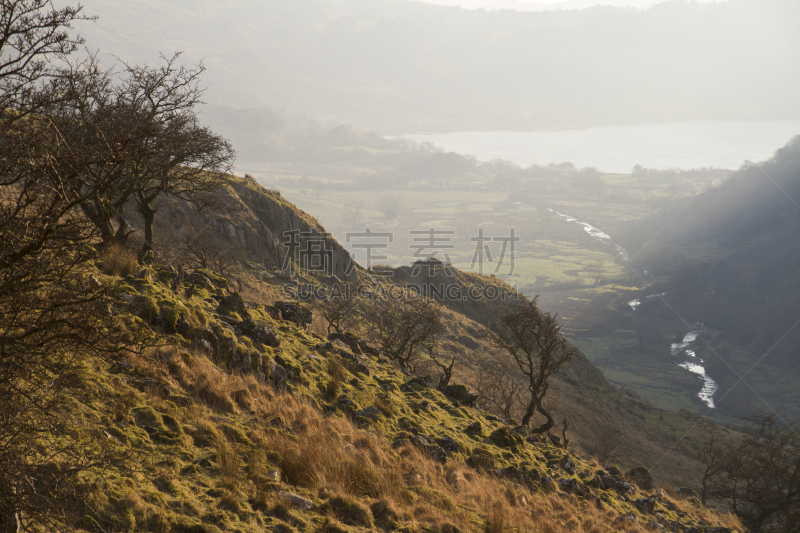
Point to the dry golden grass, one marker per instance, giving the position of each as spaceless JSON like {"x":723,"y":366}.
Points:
{"x":704,"y":514}
{"x":118,"y":260}
{"x":229,"y":471}
{"x":336,"y":375}
{"x":331,"y":456}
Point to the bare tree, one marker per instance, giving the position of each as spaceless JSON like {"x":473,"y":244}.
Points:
{"x":430,"y":345}
{"x":500,"y":385}
{"x":564,"y":429}
{"x":89,"y":144}
{"x":33,"y":32}
{"x":401,"y":328}
{"x":605,"y":444}
{"x":135,"y":138}
{"x":533,"y":339}
{"x":714,"y":455}
{"x":176,"y":156}
{"x":53,"y":314}
{"x":205,"y":250}
{"x":339,"y":308}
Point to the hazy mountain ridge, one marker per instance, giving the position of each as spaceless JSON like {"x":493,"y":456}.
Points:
{"x":699,"y":61}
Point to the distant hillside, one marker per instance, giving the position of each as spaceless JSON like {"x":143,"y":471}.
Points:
{"x":732,"y":257}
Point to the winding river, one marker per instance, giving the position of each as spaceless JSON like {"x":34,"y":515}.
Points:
{"x":694,"y":364}
{"x":688,"y":357}
{"x":680,"y":350}
{"x":597,"y":234}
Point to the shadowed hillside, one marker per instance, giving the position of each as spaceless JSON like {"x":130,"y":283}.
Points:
{"x":731,"y":258}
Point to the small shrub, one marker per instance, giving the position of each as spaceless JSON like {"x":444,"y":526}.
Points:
{"x":146,"y":308}
{"x":496,"y":521}
{"x":331,"y":527}
{"x":385,"y":406}
{"x":331,"y":389}
{"x":122,"y":406}
{"x":642,"y":477}
{"x":386,"y":517}
{"x":336,"y":370}
{"x":230,"y":502}
{"x":205,"y":435}
{"x":118,"y":260}
{"x":337,"y":374}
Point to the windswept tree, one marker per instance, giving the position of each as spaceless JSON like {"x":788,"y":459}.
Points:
{"x":532,"y":338}
{"x":135,"y":138}
{"x":95,"y":144}
{"x":203,"y":249}
{"x":431,"y":345}
{"x":402,"y":328}
{"x":339,"y":308}
{"x":176,"y":155}
{"x":714,"y":455}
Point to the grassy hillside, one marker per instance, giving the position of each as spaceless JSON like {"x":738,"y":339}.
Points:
{"x":644,"y":434}
{"x":309,"y":436}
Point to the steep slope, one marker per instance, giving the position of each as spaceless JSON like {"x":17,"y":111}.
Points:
{"x":254,"y":224}
{"x":253,"y":219}
{"x":218,"y":413}
{"x":730,"y":259}
{"x":239,"y":420}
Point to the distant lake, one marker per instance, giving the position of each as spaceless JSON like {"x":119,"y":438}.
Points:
{"x":682,"y":145}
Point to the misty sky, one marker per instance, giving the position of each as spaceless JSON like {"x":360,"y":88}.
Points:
{"x":550,"y":4}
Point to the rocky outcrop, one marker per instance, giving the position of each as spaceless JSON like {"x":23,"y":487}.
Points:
{"x":258,"y":221}
{"x":259,"y":332}
{"x":295,"y":312}
{"x":461,"y":394}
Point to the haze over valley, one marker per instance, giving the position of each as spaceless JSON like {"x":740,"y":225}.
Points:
{"x":570,"y":126}
{"x":398,"y":265}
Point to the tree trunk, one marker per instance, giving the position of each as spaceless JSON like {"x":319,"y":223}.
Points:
{"x":100,"y":219}
{"x":148,"y":216}
{"x":123,"y":229}
{"x":548,"y":425}
{"x":529,"y":412}
{"x":447,"y":374}
{"x":402,"y":361}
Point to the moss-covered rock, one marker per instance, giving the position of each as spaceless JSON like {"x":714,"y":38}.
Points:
{"x":640,"y":476}
{"x":481,"y":459}
{"x":505,"y":438}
